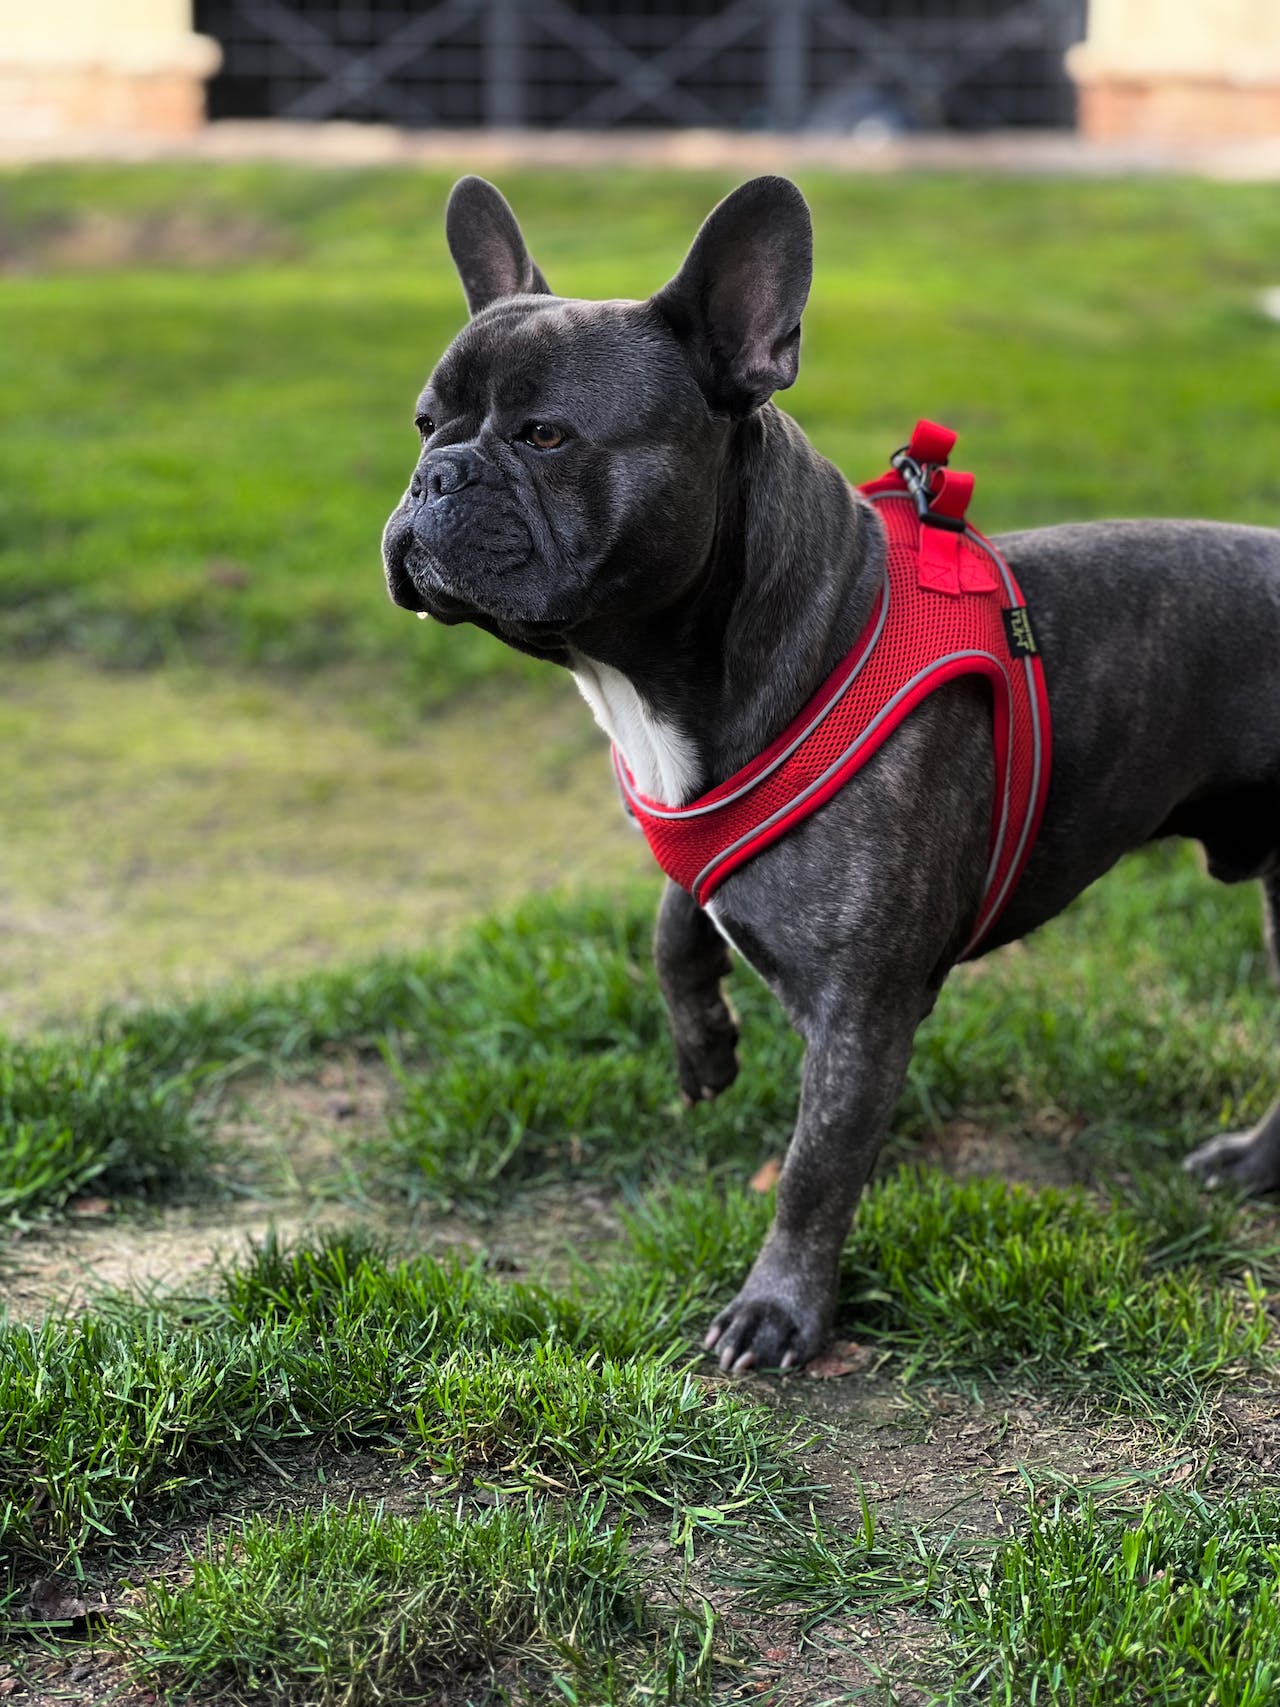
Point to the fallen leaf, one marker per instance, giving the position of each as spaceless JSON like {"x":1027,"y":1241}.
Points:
{"x":841,"y":1357}
{"x":766,"y":1177}
{"x":51,"y":1603}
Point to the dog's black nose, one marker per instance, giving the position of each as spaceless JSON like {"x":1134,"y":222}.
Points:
{"x":441,"y":475}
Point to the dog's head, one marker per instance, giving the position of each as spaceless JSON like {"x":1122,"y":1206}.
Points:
{"x":572,"y":451}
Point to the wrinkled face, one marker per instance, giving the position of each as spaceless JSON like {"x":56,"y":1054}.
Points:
{"x":568,"y":470}
{"x":572,"y":452}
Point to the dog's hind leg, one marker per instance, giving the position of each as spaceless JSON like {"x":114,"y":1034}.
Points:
{"x":1250,"y":1160}
{"x":691,"y":959}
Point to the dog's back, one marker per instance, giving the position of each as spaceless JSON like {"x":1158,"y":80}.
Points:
{"x":1161,"y":643}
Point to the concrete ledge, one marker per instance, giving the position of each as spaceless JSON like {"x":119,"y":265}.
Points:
{"x":1027,"y":153}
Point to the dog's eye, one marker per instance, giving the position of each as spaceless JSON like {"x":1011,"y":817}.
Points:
{"x":425,"y":425}
{"x":542,"y":435}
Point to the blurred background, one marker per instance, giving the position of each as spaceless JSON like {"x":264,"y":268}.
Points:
{"x":1160,"y":69}
{"x":1051,"y":223}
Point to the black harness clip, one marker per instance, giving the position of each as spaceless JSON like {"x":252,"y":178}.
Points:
{"x":918,"y":478}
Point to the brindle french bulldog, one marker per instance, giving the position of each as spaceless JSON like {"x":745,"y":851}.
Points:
{"x":607,"y":485}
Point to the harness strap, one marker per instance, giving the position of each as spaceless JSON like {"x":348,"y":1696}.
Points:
{"x":949,"y":607}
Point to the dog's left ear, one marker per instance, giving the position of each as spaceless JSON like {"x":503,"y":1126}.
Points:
{"x":736,"y":302}
{"x":487,"y":247}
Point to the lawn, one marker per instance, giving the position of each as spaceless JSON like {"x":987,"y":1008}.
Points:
{"x":356,"y":1245}
{"x":215,"y":372}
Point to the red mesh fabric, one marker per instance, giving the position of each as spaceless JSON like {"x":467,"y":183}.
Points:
{"x":939,"y":616}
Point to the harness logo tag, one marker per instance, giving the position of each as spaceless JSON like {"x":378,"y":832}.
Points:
{"x":1018,"y":632}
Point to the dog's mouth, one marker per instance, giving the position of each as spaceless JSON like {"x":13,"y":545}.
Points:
{"x":418,"y":582}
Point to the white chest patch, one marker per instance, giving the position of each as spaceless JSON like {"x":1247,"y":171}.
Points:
{"x":720,"y":926}
{"x":659,"y":757}
{"x":710,"y":910}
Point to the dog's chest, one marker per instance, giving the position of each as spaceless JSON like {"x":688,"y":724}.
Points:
{"x":659,"y":757}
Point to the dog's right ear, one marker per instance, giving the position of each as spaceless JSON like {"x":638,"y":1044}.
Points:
{"x":487,"y":247}
{"x":736,"y":302}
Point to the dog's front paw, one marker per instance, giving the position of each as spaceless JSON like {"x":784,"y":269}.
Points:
{"x":1249,"y":1161}
{"x":761,"y":1330}
{"x":706,"y":1043}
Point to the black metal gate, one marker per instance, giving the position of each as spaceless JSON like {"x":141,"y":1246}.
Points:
{"x":832,"y":65}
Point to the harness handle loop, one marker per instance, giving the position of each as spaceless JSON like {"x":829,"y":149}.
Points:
{"x":941,"y":495}
{"x":931,"y":443}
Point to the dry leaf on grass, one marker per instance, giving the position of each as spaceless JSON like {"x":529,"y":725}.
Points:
{"x":841,"y":1357}
{"x":766,"y":1177}
{"x":51,"y":1602}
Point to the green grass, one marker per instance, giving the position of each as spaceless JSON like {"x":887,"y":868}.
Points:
{"x":127,"y":1416}
{"x":227,"y":357}
{"x":537,"y":1049}
{"x":980,"y":1277}
{"x":249,"y":343}
{"x":75,"y":1116}
{"x":341,"y":1607}
{"x":972,"y":1276}
{"x":175,"y":829}
{"x":1170,"y":1604}
{"x":998,"y":1277}
{"x":550,"y":967}
{"x":1174,"y":1603}
{"x":834,"y":1573}
{"x":1178,"y":1604}
{"x":551,"y":1057}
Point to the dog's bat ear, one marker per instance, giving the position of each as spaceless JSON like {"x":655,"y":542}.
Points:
{"x":736,"y":302}
{"x":487,"y":247}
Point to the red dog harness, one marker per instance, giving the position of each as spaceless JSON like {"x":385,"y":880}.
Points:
{"x":948,"y":607}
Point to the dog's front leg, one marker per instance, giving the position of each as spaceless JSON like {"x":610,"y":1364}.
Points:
{"x":853,"y":1072}
{"x":691,"y":959}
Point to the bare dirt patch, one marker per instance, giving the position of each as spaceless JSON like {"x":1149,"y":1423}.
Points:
{"x":90,"y":239}
{"x":1244,"y":1435}
{"x":63,"y":1267}
{"x":944,"y":1459}
{"x":293,"y":1169}
{"x":965,"y":1149}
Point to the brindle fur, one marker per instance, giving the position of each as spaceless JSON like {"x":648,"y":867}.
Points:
{"x":690,"y":536}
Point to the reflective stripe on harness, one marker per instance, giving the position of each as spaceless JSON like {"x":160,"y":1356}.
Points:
{"x":948,"y":607}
